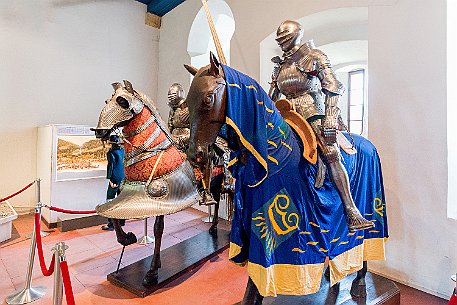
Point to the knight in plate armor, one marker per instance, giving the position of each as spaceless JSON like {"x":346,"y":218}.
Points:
{"x":178,"y":118}
{"x":306,"y":78}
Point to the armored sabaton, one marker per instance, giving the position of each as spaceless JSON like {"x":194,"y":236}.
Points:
{"x":151,"y":188}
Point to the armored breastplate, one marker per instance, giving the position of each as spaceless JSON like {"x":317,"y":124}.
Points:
{"x":294,"y":83}
{"x":181,"y":118}
{"x":301,"y":88}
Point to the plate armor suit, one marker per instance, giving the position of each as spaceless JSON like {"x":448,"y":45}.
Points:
{"x":305,"y":76}
{"x":178,"y":118}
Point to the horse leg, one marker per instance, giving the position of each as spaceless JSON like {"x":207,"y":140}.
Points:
{"x":213,"y":228}
{"x":216,"y":187}
{"x":327,"y":273}
{"x":358,"y":288}
{"x":251,"y":295}
{"x":152,"y":276}
{"x":123,"y":238}
{"x":336,"y":287}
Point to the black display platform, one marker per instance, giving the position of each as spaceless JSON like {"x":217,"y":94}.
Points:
{"x":380,"y":291}
{"x":176,"y":261}
{"x":67,"y":223}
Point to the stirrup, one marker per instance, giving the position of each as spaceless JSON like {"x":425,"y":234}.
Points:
{"x":207,"y":199}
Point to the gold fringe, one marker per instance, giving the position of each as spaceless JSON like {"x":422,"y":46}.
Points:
{"x":286,"y":279}
{"x":351,"y":261}
{"x":306,"y":279}
{"x":234,"y":250}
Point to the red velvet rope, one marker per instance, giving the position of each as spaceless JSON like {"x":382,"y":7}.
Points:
{"x":71,"y":211}
{"x":67,"y":283}
{"x":453,"y":299}
{"x":18,"y":192}
{"x":39,"y":245}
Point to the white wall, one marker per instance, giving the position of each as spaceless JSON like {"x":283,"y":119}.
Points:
{"x":174,"y":34}
{"x":407,"y":63}
{"x":452,"y":106}
{"x":407,"y":94}
{"x":57,"y":61}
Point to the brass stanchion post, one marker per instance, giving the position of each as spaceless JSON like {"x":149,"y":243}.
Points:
{"x":38,"y":198}
{"x":59,"y":252}
{"x":29,"y":293}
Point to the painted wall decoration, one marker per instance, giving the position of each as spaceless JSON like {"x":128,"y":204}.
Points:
{"x":79,"y":155}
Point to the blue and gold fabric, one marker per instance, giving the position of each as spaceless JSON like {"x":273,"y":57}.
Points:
{"x":284,"y":228}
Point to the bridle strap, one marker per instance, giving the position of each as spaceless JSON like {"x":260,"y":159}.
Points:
{"x":154,"y":168}
{"x":144,"y":147}
{"x":148,"y":154}
{"x":139,"y":129}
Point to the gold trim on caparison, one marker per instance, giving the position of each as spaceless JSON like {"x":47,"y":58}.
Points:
{"x":352,"y":260}
{"x":286,"y":279}
{"x":251,"y":148}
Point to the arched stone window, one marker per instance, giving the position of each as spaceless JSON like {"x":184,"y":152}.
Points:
{"x":200,"y":41}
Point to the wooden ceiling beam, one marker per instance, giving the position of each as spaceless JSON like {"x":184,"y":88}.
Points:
{"x":153,"y":20}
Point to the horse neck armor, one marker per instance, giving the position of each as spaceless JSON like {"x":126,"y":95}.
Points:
{"x":165,"y":195}
{"x":161,"y":195}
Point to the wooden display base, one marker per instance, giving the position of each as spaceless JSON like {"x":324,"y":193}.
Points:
{"x":380,"y":291}
{"x":176,"y":261}
{"x":67,"y":223}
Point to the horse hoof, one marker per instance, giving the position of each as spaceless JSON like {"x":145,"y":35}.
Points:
{"x":151,"y":278}
{"x":213,"y":231}
{"x":335,"y":287}
{"x":358,"y":289}
{"x":327,"y":273}
{"x":127,"y":239}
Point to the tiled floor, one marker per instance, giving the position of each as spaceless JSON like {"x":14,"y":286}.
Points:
{"x":93,"y":254}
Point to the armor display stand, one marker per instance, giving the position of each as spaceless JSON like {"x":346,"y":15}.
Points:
{"x":38,"y":192}
{"x":29,"y":293}
{"x":209,"y":218}
{"x":146,"y":239}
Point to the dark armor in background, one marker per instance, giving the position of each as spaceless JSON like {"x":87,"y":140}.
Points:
{"x":178,"y":118}
{"x":305,"y":76}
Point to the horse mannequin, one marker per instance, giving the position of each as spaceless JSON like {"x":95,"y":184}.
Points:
{"x":159,"y":180}
{"x":208,"y":102}
{"x":179,"y":126}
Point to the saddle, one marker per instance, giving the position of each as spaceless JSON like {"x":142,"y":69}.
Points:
{"x":301,"y":127}
{"x":306,"y":134}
